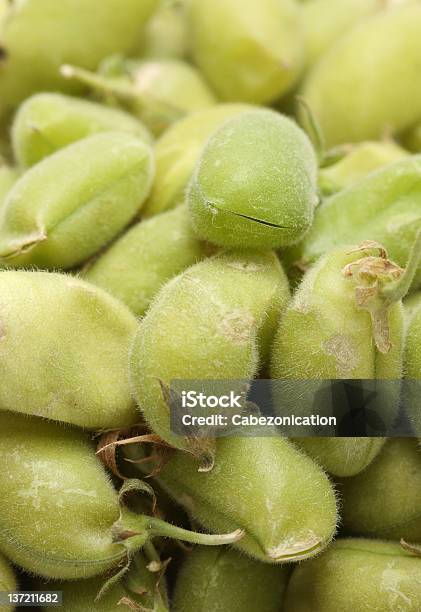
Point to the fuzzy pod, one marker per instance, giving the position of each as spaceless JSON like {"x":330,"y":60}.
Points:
{"x":214,"y":321}
{"x":8,"y":582}
{"x":275,"y":493}
{"x":139,"y":587}
{"x":8,"y":177}
{"x":357,"y":574}
{"x":47,"y":122}
{"x":60,"y":516}
{"x":384,"y":501}
{"x":412,"y":362}
{"x":254,"y":185}
{"x":326,"y":21}
{"x":385,"y":206}
{"x":177,"y":152}
{"x":249,"y":51}
{"x":165,"y":34}
{"x":159,"y":92}
{"x":72,"y":203}
{"x":38,"y":36}
{"x":382,"y":51}
{"x":411,"y":305}
{"x":149,"y":254}
{"x":361,"y":159}
{"x":64,"y":350}
{"x":342,"y":325}
{"x":222,"y":580}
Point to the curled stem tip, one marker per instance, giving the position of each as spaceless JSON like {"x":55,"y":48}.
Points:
{"x":396,"y":290}
{"x":313,"y":129}
{"x":163,"y":529}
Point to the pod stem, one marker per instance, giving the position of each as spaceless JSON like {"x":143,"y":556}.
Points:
{"x":313,"y":129}
{"x":95,"y":81}
{"x":396,"y":290}
{"x":163,"y":529}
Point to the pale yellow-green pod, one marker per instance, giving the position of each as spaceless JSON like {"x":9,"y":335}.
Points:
{"x":8,"y":582}
{"x":166,"y":32}
{"x":177,"y":152}
{"x":8,"y":177}
{"x":384,"y":500}
{"x":367,"y":85}
{"x":64,"y":350}
{"x":38,"y":36}
{"x":360,"y":160}
{"x":46,"y":122}
{"x":214,"y":321}
{"x":357,"y":575}
{"x":149,"y":254}
{"x":72,"y":203}
{"x":250,"y":51}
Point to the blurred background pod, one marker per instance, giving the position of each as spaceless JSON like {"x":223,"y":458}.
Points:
{"x":8,"y":177}
{"x":166,"y":33}
{"x":38,"y":36}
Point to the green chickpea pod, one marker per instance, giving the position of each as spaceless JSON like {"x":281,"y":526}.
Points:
{"x":254,"y":185}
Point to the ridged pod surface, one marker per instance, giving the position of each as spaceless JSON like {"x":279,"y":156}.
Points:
{"x":222,"y":580}
{"x":266,"y":486}
{"x":357,"y":574}
{"x":51,"y":223}
{"x":7,"y":581}
{"x":383,"y":50}
{"x":149,"y":254}
{"x":46,"y":122}
{"x":328,"y":332}
{"x":254,"y":185}
{"x":384,"y":501}
{"x":177,"y":152}
{"x":214,"y":321}
{"x":76,"y":340}
{"x":84,"y":32}
{"x":384,"y":206}
{"x":249,"y":51}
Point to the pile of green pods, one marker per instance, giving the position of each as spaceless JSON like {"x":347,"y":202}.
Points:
{"x":207,"y":203}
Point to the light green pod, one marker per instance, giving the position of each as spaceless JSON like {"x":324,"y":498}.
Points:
{"x":357,"y":574}
{"x":47,"y":122}
{"x":385,"y":206}
{"x":411,"y":304}
{"x":222,"y":580}
{"x":39,"y":35}
{"x":326,"y":21}
{"x":165,"y":34}
{"x":268,"y":206}
{"x":361,"y":159}
{"x":177,"y":152}
{"x":64,"y":347}
{"x":214,"y":321}
{"x":249,"y":51}
{"x":412,"y":364}
{"x":159,"y":92}
{"x":7,"y":581}
{"x":384,"y":500}
{"x":8,"y":177}
{"x":72,"y":203}
{"x":340,"y":325}
{"x":148,"y":255}
{"x":139,"y":587}
{"x":282,"y":500}
{"x":352,"y":90}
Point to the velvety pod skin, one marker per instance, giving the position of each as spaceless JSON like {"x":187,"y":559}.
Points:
{"x":8,"y":177}
{"x":357,"y":574}
{"x":38,"y":36}
{"x":149,"y":254}
{"x":64,"y":209}
{"x":80,"y":596}
{"x":7,"y":580}
{"x":249,"y":51}
{"x":77,"y":339}
{"x":325,"y":333}
{"x":159,"y":92}
{"x":266,"y":486}
{"x":384,"y":206}
{"x":361,"y":159}
{"x":47,"y":122}
{"x":412,"y":363}
{"x":254,"y":185}
{"x":383,"y":50}
{"x":214,"y":321}
{"x":177,"y":152}
{"x":384,"y":501}
{"x":221,"y":580}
